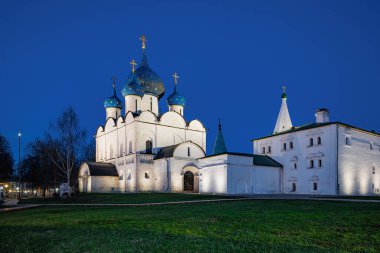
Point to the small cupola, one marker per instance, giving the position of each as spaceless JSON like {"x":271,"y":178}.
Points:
{"x":176,"y":101}
{"x":113,"y":104}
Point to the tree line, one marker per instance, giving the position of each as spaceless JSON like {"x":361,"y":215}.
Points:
{"x":53,"y":158}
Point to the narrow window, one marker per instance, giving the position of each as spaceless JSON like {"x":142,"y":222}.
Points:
{"x":294,"y":187}
{"x":188,"y":151}
{"x":315,"y":186}
{"x":269,"y":149}
{"x":371,"y":145}
{"x":116,"y":114}
{"x":373,"y":171}
{"x":311,"y":163}
{"x":291,"y":145}
{"x":319,"y":163}
{"x":180,"y":111}
{"x":284,"y":146}
{"x":348,"y":141}
{"x":151,"y":104}
{"x":311,"y":142}
{"x":148,"y":145}
{"x":136,"y":105}
{"x":263,"y":150}
{"x":146,"y":174}
{"x":319,"y":141}
{"x":295,"y":166}
{"x":130,"y":147}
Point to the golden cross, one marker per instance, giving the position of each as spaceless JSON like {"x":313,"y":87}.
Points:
{"x":133,"y":63}
{"x":176,"y":77}
{"x":143,"y":40}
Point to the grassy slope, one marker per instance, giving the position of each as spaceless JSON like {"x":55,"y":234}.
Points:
{"x":269,"y":226}
{"x":134,"y":198}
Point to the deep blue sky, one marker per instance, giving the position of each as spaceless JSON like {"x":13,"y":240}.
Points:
{"x":232,"y":57}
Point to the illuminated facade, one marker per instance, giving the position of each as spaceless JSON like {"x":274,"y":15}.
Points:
{"x":324,"y":157}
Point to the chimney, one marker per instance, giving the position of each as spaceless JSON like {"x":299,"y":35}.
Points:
{"x":322,"y":115}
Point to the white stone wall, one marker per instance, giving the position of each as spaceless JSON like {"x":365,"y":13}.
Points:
{"x":359,"y":165}
{"x":177,"y":108}
{"x":104,"y":184}
{"x":301,"y":154}
{"x":234,"y":174}
{"x":149,"y":103}
{"x":132,"y":103}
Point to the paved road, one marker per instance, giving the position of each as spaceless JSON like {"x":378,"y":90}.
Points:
{"x":13,"y":206}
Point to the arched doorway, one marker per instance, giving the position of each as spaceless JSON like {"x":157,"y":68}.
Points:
{"x":188,"y":181}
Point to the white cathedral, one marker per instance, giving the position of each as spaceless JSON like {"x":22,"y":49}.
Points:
{"x":145,"y":150}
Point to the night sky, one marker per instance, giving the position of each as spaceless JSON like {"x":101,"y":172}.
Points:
{"x":232,"y":57}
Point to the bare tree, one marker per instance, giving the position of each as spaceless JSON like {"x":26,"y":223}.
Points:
{"x":66,"y":138}
{"x":6,"y":159}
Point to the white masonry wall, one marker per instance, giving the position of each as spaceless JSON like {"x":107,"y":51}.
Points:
{"x":359,"y":165}
{"x":301,"y":154}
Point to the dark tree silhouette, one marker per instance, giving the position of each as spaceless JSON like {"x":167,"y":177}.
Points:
{"x":6,"y":159}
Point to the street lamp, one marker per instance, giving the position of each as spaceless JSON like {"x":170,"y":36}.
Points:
{"x":19,"y":166}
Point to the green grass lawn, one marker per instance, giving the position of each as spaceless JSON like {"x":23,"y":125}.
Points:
{"x":236,"y":226}
{"x":123,"y":198}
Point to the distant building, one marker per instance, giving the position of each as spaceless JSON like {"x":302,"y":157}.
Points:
{"x":146,"y":150}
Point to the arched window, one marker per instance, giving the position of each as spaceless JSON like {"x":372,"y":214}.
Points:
{"x":348,"y":141}
{"x":373,"y":170}
{"x":311,"y":163}
{"x":269,"y":149}
{"x":315,"y":186}
{"x":295,"y":165}
{"x":188,"y":151}
{"x":291,"y":144}
{"x":263,"y":150}
{"x":284,"y":146}
{"x":294,"y":187}
{"x":311,"y":142}
{"x":319,"y":163}
{"x":130,"y":147}
{"x":319,"y":141}
{"x":149,"y":146}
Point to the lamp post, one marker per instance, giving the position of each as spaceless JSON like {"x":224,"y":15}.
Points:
{"x":19,"y":165}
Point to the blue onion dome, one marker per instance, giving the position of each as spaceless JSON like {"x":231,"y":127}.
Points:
{"x":113,"y":101}
{"x":176,"y":99}
{"x":133,"y":87}
{"x":150,"y":81}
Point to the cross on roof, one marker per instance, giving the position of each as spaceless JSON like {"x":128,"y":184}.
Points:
{"x":113,"y":81}
{"x":133,"y":63}
{"x":283,"y":89}
{"x":143,"y":40}
{"x":176,"y":77}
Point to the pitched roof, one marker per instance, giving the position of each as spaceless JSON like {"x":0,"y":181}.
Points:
{"x":262,"y":160}
{"x":166,"y":152}
{"x":265,"y":160}
{"x":220,"y":145}
{"x":102,"y":169}
{"x":315,"y":125}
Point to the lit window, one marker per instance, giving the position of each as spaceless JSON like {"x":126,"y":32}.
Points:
{"x":311,"y":142}
{"x":315,"y":186}
{"x":319,"y":141}
{"x":311,"y":163}
{"x":291,"y":144}
{"x":284,"y":146}
{"x":319,"y":163}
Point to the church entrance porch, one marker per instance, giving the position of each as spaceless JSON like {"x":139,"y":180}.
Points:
{"x":188,"y":181}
